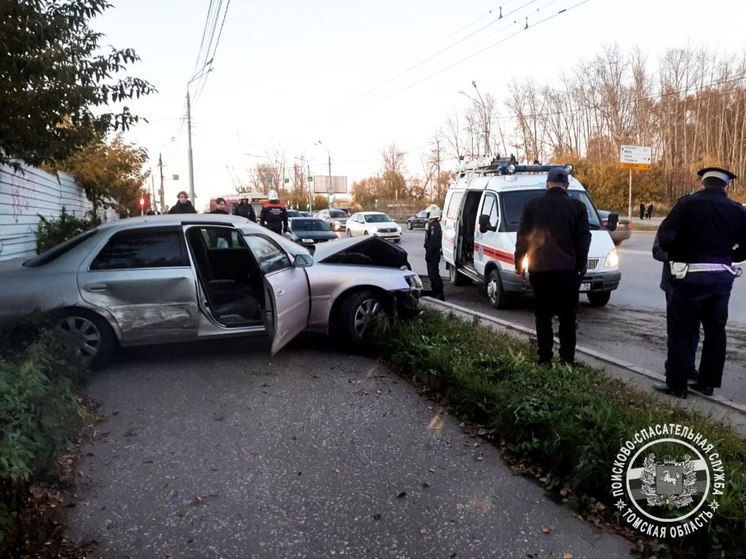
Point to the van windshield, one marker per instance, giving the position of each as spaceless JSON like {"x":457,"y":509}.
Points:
{"x":514,"y":202}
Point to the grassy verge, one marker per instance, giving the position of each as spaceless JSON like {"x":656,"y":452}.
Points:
{"x":567,"y":423}
{"x":40,"y":417}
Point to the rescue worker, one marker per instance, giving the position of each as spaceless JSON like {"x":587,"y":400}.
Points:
{"x":274,"y":215}
{"x":433,"y":251}
{"x":245,"y":209}
{"x":704,"y":234}
{"x":555,"y":236}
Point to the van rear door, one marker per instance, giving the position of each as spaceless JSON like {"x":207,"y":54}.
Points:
{"x":451,"y":223}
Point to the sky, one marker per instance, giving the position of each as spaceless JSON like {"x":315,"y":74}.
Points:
{"x":361,"y":76}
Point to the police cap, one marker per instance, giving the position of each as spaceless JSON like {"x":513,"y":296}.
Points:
{"x":716,"y":172}
{"x":558,"y":174}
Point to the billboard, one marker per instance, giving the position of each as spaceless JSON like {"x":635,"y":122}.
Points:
{"x":321,"y":185}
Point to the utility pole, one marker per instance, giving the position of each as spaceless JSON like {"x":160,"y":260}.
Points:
{"x":161,"y":194}
{"x":205,"y":69}
{"x":329,"y":187}
{"x":485,"y":116}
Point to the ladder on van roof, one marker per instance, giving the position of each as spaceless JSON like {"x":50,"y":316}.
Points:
{"x":503,"y":166}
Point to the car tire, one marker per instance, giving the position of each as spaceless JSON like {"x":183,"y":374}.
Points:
{"x":397,"y":240}
{"x":409,"y":225}
{"x":88,"y":335}
{"x":456,"y":277}
{"x":349,"y":234}
{"x":354,"y":315}
{"x":495,"y":292}
{"x":598,"y":298}
{"x":365,"y":233}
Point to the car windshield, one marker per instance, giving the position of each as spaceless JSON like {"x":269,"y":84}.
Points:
{"x":309,"y":225}
{"x":514,"y":202}
{"x":337,"y":213}
{"x":377,"y":218}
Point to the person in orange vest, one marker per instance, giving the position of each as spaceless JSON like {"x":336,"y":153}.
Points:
{"x":274,"y":215}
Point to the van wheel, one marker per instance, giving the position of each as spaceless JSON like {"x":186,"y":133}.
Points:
{"x":598,"y":298}
{"x":88,"y":336}
{"x":456,"y":277}
{"x":495,"y":292}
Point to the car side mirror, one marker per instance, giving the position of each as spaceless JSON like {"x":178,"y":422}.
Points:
{"x":612,"y":222}
{"x":484,"y":224}
{"x":303,"y":260}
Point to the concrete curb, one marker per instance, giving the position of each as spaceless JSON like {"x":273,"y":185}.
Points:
{"x":717,"y":405}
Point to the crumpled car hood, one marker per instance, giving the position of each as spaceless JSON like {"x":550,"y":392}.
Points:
{"x":366,"y":251}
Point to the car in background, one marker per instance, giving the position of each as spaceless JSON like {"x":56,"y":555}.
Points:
{"x":186,"y":277}
{"x":298,"y":213}
{"x":336,"y":218}
{"x":308,"y":231}
{"x":417,"y":220}
{"x":623,"y":229}
{"x":376,"y":224}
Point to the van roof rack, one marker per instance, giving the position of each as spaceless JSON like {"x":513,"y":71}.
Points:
{"x":504,"y":166}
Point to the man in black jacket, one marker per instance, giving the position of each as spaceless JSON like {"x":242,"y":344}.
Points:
{"x":555,"y":236}
{"x":699,"y":235}
{"x":433,"y":250}
{"x":245,"y":209}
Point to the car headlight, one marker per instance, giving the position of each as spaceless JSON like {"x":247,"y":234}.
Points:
{"x":398,"y":229}
{"x":413,"y":280}
{"x":612,"y":259}
{"x":307,"y":240}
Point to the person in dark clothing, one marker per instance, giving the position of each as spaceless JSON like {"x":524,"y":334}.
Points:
{"x":245,"y":209}
{"x":220,"y":206}
{"x":649,"y":210}
{"x":433,"y":250}
{"x":704,"y":234}
{"x":662,"y":256}
{"x":274,"y":215}
{"x":642,"y":210}
{"x":555,"y":237}
{"x":183,"y":205}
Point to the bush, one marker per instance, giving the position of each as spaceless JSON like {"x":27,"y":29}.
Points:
{"x":566,"y":422}
{"x":39,"y":413}
{"x":51,"y":232}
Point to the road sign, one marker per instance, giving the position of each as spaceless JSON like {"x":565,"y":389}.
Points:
{"x":636,"y":158}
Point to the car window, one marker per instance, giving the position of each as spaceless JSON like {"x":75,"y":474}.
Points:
{"x":309,"y":225}
{"x":453,"y":203}
{"x":337,"y":213}
{"x":271,"y":257}
{"x":142,"y":248}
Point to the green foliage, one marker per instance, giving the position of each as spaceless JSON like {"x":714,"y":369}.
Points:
{"x":39,"y":411}
{"x":54,"y":74}
{"x":570,"y":422}
{"x":51,"y":232}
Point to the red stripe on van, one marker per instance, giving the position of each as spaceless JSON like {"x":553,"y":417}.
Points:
{"x":495,"y":254}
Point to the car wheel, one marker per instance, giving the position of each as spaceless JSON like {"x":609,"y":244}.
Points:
{"x":598,"y":298}
{"x":397,"y":240}
{"x":495,"y":292}
{"x":349,"y":234}
{"x":365,"y":232}
{"x":409,"y":225}
{"x":88,"y":335}
{"x":456,"y":277}
{"x":355,"y":314}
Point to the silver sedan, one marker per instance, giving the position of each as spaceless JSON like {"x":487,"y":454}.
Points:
{"x":174,"y":278}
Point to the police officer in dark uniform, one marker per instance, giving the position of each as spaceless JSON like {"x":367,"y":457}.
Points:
{"x":704,"y":234}
{"x":245,"y":209}
{"x":433,"y":251}
{"x":555,"y":236}
{"x":274,"y":215}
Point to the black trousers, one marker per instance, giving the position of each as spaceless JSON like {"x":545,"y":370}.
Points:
{"x":436,"y":282}
{"x":699,"y":297}
{"x":555,"y":293}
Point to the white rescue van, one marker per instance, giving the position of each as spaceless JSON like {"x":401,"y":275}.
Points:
{"x":481,"y":214}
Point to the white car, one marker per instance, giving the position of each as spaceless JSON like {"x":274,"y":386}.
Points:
{"x":377,"y":224}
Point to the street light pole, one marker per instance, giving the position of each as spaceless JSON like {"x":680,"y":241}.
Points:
{"x":330,"y":187}
{"x":486,"y":120}
{"x":205,"y":69}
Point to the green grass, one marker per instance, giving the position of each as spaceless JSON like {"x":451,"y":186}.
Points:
{"x":567,"y":422}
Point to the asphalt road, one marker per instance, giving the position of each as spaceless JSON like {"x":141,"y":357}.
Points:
{"x":217,"y":450}
{"x":632,"y":327}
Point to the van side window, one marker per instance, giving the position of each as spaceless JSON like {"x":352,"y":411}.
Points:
{"x":490,"y":208}
{"x":453,"y":204}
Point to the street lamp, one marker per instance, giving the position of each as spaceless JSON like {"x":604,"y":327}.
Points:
{"x":204,"y":70}
{"x":330,"y":187}
{"x":485,"y":115}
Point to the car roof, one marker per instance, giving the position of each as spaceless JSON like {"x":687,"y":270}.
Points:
{"x":173,"y":219}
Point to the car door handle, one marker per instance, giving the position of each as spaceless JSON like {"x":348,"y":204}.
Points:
{"x":95,"y":287}
{"x":281,"y":292}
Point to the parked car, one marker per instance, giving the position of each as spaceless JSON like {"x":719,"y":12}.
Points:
{"x":307,"y":231}
{"x":337,"y":219}
{"x":298,"y":213}
{"x":183,"y":277}
{"x":377,"y":224}
{"x":623,"y":229}
{"x":417,"y":220}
